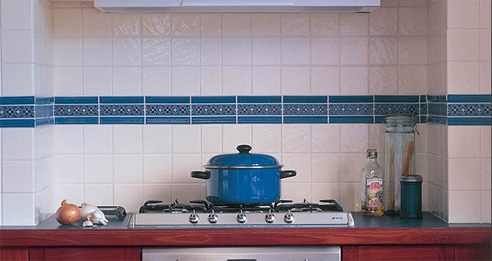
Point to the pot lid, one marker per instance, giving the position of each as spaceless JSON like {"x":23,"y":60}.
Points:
{"x":243,"y":159}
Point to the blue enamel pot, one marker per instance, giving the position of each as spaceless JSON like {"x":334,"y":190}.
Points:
{"x":243,"y":178}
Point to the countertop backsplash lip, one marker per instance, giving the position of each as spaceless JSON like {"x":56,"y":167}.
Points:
{"x":31,"y":111}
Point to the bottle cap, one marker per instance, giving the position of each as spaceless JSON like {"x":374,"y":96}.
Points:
{"x":373,"y":153}
{"x":411,"y":178}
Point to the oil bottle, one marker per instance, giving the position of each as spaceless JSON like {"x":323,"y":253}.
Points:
{"x":372,"y":186}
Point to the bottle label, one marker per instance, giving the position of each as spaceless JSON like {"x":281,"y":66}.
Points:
{"x":374,"y":192}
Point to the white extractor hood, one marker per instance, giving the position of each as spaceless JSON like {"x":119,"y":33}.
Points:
{"x":236,"y":6}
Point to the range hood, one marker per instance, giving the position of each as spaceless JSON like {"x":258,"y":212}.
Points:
{"x":236,"y":6}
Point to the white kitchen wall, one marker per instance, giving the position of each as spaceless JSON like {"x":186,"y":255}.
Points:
{"x":228,"y":54}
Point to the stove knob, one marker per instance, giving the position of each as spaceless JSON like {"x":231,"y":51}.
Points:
{"x":241,"y":218}
{"x":270,"y":218}
{"x":213,"y":218}
{"x":289,"y":218}
{"x":194,"y":218}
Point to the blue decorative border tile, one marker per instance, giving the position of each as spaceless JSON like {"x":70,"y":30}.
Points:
{"x":305,"y":99}
{"x":395,"y":108}
{"x":75,"y":110}
{"x":17,"y":123}
{"x":213,"y":120}
{"x":168,"y":110}
{"x":259,"y":99}
{"x":259,"y":119}
{"x":351,"y":109}
{"x":351,"y":99}
{"x":469,"y":121}
{"x":77,"y":120}
{"x":122,"y":99}
{"x":310,"y":119}
{"x":213,"y":109}
{"x":121,"y":110}
{"x":76,"y":100}
{"x":121,"y":120}
{"x":213,"y":99}
{"x":167,"y":120}
{"x":469,"y":109}
{"x":351,"y":119}
{"x":16,"y":111}
{"x":17,"y":100}
{"x":259,"y":109}
{"x":469,"y":98}
{"x":305,"y":109}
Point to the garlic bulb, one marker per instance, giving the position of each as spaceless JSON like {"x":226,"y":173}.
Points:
{"x":86,"y":210}
{"x":87,"y":223}
{"x":97,"y":217}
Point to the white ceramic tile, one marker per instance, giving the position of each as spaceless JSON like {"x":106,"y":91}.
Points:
{"x":211,"y":138}
{"x":156,"y":139}
{"x":463,"y":14}
{"x":354,"y":80}
{"x":383,"y":50}
{"x":485,"y":75}
{"x":266,"y":138}
{"x":297,"y":192}
{"x":68,"y":139}
{"x":325,"y":138}
{"x":384,"y":21}
{"x":325,"y":24}
{"x":17,"y":80}
{"x":458,"y":199}
{"x":98,"y":81}
{"x":126,"y":24}
{"x":186,"y":51}
{"x":43,"y":141}
{"x":95,"y":23}
{"x":296,"y":138}
{"x":485,"y":17}
{"x":421,"y":139}
{"x":157,"y":168}
{"x":157,"y":51}
{"x":17,"y":46}
{"x":413,"y":21}
{"x":68,"y":81}
{"x":185,"y":24}
{"x":17,"y":176}
{"x":301,"y":163}
{"x":463,"y":44}
{"x":211,"y":51}
{"x":127,"y":51}
{"x":354,"y":137}
{"x":295,"y":80}
{"x":485,"y":45}
{"x":295,"y":51}
{"x":236,"y":80}
{"x":351,"y":165}
{"x":266,"y":51}
{"x":485,"y":174}
{"x":354,"y":50}
{"x":130,"y":196}
{"x":485,"y":207}
{"x":325,"y":80}
{"x":98,"y":194}
{"x":211,"y":81}
{"x":325,"y":51}
{"x":236,"y":51}
{"x":350,"y":196}
{"x":463,"y":77}
{"x":485,"y":141}
{"x":67,"y":22}
{"x":23,"y":205}
{"x":325,"y":167}
{"x":354,"y":24}
{"x":96,"y":52}
{"x":186,"y":139}
{"x":127,"y":81}
{"x":464,"y":174}
{"x":413,"y":50}
{"x":295,"y":24}
{"x":236,"y":24}
{"x":44,"y":172}
{"x":69,"y":168}
{"x":17,"y":143}
{"x":183,"y":165}
{"x":187,"y":192}
{"x":413,"y":79}
{"x":156,"y":81}
{"x":383,"y":80}
{"x":156,"y":24}
{"x":127,"y":139}
{"x":16,"y":15}
{"x":158,"y":192}
{"x":211,"y":24}
{"x":266,"y":80}
{"x":98,"y":139}
{"x":463,"y":141}
{"x":234,"y":135}
{"x":68,"y":51}
{"x":127,"y":168}
{"x":98,"y":168}
{"x":185,"y":81}
{"x":266,"y":24}
{"x":320,"y":191}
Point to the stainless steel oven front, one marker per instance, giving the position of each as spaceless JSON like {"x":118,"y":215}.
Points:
{"x":276,"y":253}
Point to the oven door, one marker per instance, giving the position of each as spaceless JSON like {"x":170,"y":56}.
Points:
{"x":301,"y":253}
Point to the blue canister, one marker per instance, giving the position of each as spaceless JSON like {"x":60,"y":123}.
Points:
{"x":411,"y":196}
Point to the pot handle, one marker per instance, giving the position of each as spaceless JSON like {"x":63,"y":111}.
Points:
{"x":200,"y":174}
{"x":287,"y":174}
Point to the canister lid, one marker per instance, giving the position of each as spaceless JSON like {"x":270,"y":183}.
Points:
{"x":411,"y":178}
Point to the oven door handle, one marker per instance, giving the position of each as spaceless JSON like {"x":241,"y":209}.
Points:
{"x":241,"y":259}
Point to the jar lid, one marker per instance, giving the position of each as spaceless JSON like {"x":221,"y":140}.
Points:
{"x":399,"y":118}
{"x":411,"y":178}
{"x":242,"y":160}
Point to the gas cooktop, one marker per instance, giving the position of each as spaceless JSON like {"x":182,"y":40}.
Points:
{"x":202,"y":214}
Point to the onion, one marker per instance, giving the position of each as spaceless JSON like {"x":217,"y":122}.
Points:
{"x":67,"y":214}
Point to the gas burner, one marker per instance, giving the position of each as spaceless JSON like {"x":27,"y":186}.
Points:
{"x":176,"y":207}
{"x":324,"y":205}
